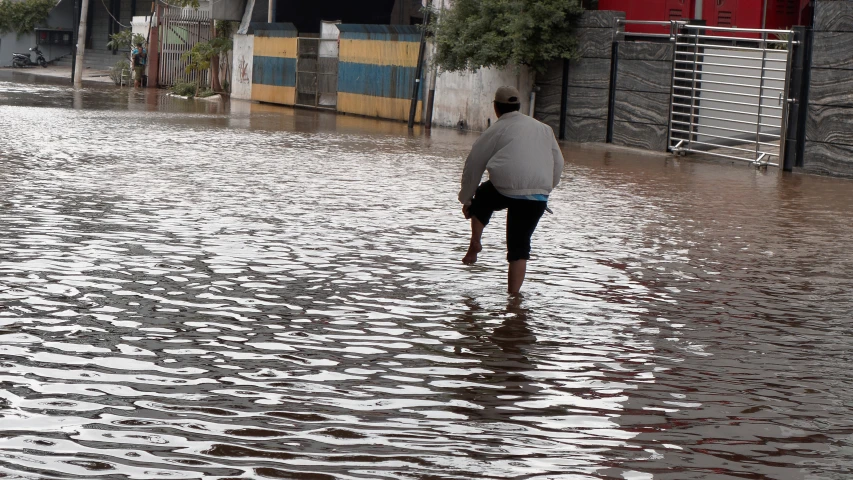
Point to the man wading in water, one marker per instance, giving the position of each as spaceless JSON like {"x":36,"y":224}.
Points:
{"x":524,"y":164}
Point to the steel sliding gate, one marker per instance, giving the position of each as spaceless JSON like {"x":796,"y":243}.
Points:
{"x":730,"y":92}
{"x":317,"y":72}
{"x":181,"y":30}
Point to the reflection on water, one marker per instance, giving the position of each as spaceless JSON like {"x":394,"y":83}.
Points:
{"x":195,"y":290}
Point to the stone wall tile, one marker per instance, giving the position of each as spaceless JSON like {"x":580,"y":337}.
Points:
{"x":645,"y":51}
{"x":595,"y":42}
{"x":640,"y":135}
{"x":833,"y":50}
{"x":830,"y":124}
{"x":599,"y":19}
{"x":833,"y":16}
{"x":826,"y":159}
{"x":553,"y":74}
{"x":644,"y":76}
{"x":831,"y":87}
{"x":581,"y":129}
{"x":590,"y":73}
{"x":588,"y":102}
{"x":642,"y":107}
{"x":548,"y":99}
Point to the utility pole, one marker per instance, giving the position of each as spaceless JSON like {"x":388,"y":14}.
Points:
{"x":81,"y":44}
{"x":432,"y":79}
{"x":74,"y":37}
{"x":271,"y":13}
{"x":419,"y":71}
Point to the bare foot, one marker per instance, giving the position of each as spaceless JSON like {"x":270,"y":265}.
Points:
{"x":470,"y":258}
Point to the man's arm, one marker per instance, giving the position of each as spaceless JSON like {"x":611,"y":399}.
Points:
{"x":559,"y":163}
{"x":475,"y":165}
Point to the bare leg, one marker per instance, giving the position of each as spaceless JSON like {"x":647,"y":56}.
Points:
{"x":475,"y":246}
{"x":515,"y":278}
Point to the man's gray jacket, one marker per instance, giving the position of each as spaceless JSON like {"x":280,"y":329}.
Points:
{"x":521,"y":155}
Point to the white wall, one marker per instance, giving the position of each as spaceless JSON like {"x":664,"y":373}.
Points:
{"x":59,"y":18}
{"x":241,"y":71}
{"x":139,"y":25}
{"x":11,"y":43}
{"x":467,"y":96}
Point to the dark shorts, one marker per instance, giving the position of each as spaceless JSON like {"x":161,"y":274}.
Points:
{"x":521,"y":218}
{"x":138,"y":71}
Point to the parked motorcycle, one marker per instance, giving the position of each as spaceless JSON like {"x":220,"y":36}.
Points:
{"x":20,"y":60}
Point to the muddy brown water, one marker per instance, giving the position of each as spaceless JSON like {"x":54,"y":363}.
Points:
{"x":203,"y":290}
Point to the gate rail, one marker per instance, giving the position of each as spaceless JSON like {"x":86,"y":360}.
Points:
{"x":317,"y":72}
{"x":730,"y":92}
{"x":181,"y":30}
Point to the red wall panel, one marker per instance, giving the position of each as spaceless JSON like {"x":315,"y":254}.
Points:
{"x":781,"y":14}
{"x":650,"y":10}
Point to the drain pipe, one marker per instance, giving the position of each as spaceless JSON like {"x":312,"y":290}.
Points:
{"x":533,"y":100}
{"x":431,"y":99}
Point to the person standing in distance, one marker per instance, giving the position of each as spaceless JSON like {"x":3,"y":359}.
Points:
{"x":140,"y":56}
{"x":524,"y":163}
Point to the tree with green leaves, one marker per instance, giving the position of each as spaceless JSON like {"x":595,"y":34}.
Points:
{"x":205,"y":55}
{"x":124,"y":39}
{"x":184,"y":3}
{"x":24,"y":16}
{"x":475,"y":34}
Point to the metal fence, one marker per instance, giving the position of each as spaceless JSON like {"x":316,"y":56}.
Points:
{"x":730,"y":92}
{"x":317,"y":72}
{"x":181,"y":30}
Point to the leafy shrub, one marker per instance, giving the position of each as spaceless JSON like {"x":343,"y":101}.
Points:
{"x":473,"y":34}
{"x":23,"y":16}
{"x":207,"y":92}
{"x":121,"y":68}
{"x":124,"y":39}
{"x":184,"y":89}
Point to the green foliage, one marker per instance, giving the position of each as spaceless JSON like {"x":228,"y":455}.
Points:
{"x":225,"y":28}
{"x":124,"y":39}
{"x":184,"y":3}
{"x":24,"y":16}
{"x":780,"y":46}
{"x":473,"y":34}
{"x":184,"y":89}
{"x":206,"y":93}
{"x":199,"y":57}
{"x":121,"y":68}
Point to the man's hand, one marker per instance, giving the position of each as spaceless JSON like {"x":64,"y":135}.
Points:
{"x":465,"y":211}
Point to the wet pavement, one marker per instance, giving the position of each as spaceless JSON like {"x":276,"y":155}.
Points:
{"x":203,"y":290}
{"x":56,"y":74}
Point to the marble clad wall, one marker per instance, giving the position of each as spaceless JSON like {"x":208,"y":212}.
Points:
{"x":643,"y":88}
{"x":589,"y":81}
{"x":644,"y":76}
{"x":829,"y":131}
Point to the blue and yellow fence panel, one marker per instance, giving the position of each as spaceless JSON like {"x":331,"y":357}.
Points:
{"x":274,"y":67}
{"x":376,"y":70}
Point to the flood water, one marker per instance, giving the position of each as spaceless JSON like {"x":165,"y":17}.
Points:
{"x":197,"y":290}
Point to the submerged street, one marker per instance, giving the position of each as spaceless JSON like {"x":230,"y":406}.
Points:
{"x":211,"y":290}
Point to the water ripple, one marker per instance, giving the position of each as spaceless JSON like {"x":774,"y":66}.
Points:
{"x":212,"y":291}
